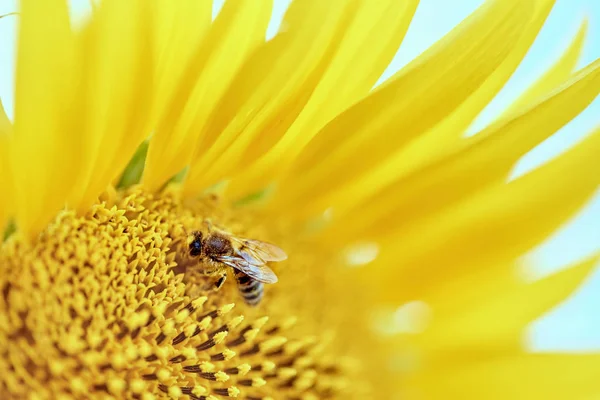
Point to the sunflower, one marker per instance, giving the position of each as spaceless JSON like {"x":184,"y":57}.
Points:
{"x":150,"y":119}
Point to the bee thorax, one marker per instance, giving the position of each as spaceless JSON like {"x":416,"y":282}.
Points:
{"x":216,"y":245}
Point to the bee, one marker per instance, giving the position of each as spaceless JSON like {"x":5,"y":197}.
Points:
{"x":247,"y":257}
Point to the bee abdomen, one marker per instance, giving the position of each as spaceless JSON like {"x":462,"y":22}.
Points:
{"x":250,"y":289}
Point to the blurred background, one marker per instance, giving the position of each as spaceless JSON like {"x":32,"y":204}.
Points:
{"x":573,"y":326}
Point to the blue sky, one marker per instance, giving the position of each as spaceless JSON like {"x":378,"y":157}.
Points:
{"x":575,"y":325}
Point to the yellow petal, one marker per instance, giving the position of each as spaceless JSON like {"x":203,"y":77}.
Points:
{"x":266,"y":96}
{"x":117,"y":92}
{"x":424,"y":93}
{"x":5,"y":124}
{"x":5,"y":186}
{"x":45,"y":151}
{"x":443,"y":136}
{"x":369,"y":42}
{"x":485,"y":313}
{"x":560,"y":71}
{"x":366,"y":36}
{"x":483,"y":159}
{"x":494,"y":226}
{"x":516,"y":376}
{"x":238,"y":29}
{"x":178,"y":27}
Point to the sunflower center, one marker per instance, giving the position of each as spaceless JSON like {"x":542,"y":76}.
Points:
{"x":109,"y":304}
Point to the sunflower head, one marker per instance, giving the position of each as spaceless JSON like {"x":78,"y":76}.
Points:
{"x":102,"y":305}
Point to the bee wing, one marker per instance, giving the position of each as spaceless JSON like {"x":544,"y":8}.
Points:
{"x":257,"y":252}
{"x":260,"y":272}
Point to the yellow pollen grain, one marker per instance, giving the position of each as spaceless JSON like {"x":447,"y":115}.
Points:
{"x":162,"y":353}
{"x":131,"y":353}
{"x":163,"y":375}
{"x":189,"y":352}
{"x":205,"y":323}
{"x":78,"y":385}
{"x":182,"y":316}
{"x":138,"y":319}
{"x":72,"y":344}
{"x":219,"y":337}
{"x":260,"y":322}
{"x":303,"y":383}
{"x":304,"y":362}
{"x":273,"y":343}
{"x":268,"y":366}
{"x":198,"y":302}
{"x":235,"y":321}
{"x":233,"y":391}
{"x":119,"y":361}
{"x":309,"y":374}
{"x":189,"y":330}
{"x":287,"y":373}
{"x":221,"y":376}
{"x":175,"y":392}
{"x":317,"y":348}
{"x":145,"y":349}
{"x":228,"y":354}
{"x":206,"y":366}
{"x":293,"y":347}
{"x":169,"y":327}
{"x":258,"y":382}
{"x":226,"y":308}
{"x":116,"y":385}
{"x":289,"y":322}
{"x":199,"y":390}
{"x":57,"y":367}
{"x":137,"y":386}
{"x":251,"y":334}
{"x":243,"y":369}
{"x":309,"y":340}
{"x":160,"y":308}
{"x":90,"y":358}
{"x":94,"y":339}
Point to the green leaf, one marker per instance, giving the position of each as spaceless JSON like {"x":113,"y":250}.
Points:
{"x":133,"y":172}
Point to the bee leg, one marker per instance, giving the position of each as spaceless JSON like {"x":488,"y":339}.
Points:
{"x":208,"y":223}
{"x":214,"y":282}
{"x":210,"y":271}
{"x":219,"y":283}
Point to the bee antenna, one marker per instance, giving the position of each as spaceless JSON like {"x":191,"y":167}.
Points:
{"x":185,"y":231}
{"x":8,"y":14}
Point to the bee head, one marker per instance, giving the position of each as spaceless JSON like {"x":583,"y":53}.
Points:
{"x":195,"y":245}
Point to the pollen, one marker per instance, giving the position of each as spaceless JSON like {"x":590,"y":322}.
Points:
{"x":106,"y":305}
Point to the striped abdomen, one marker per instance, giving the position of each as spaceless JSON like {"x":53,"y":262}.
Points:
{"x":250,"y":289}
